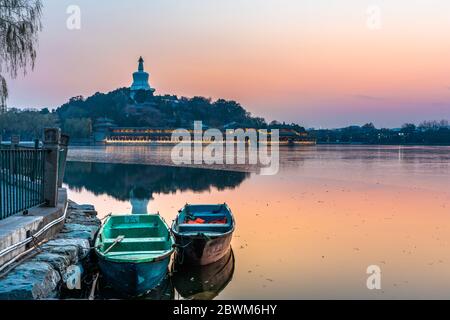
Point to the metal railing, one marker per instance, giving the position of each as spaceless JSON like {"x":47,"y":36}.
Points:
{"x":21,"y":179}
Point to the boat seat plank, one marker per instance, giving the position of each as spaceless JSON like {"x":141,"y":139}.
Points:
{"x":136,"y":253}
{"x":204,"y":228}
{"x":137,"y":240}
{"x":205,"y":232}
{"x":203,"y":225}
{"x":134,"y":226}
{"x":210,"y":215}
{"x":207,"y":213}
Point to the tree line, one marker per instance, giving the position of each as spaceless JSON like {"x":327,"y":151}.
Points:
{"x":426,"y":133}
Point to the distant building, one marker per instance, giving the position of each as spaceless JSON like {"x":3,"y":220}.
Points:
{"x":102,"y":127}
{"x":140,"y":80}
{"x":148,"y":135}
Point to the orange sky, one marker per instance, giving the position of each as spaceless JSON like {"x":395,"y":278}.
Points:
{"x":314,"y":62}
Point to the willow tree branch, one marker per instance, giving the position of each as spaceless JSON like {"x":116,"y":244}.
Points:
{"x":20,"y":23}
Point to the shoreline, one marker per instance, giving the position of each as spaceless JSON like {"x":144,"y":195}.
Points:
{"x":58,"y":264}
{"x":281,"y":145}
{"x":378,"y":144}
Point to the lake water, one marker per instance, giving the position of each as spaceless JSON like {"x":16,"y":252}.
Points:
{"x":311,"y":231}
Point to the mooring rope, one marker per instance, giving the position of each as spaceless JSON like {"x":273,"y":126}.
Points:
{"x":107,"y":216}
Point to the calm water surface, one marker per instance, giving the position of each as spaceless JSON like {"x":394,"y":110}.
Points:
{"x":308,"y":232}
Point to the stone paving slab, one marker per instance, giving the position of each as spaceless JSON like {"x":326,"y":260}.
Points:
{"x":41,"y":276}
{"x":30,"y":281}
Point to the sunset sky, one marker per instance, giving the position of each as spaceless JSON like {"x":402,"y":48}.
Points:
{"x":314,"y":62}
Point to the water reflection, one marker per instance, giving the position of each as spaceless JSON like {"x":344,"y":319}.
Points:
{"x":138,"y":183}
{"x":203,"y":282}
{"x":165,"y":291}
{"x":139,"y":199}
{"x":190,"y":282}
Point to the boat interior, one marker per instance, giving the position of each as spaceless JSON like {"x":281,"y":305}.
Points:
{"x":210,"y":219}
{"x":141,"y":234}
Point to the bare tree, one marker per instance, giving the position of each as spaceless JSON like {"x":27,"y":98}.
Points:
{"x":20,"y":23}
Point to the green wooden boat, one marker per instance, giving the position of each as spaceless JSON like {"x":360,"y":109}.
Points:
{"x":134,"y":252}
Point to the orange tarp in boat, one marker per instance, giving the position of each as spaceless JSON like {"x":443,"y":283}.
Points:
{"x":201,"y":221}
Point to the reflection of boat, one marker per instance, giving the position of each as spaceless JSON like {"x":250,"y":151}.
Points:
{"x":134,"y":252}
{"x":203,"y":233}
{"x":204,"y":282}
{"x":164,"y":291}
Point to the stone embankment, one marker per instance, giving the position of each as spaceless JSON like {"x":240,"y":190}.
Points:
{"x":57,"y":264}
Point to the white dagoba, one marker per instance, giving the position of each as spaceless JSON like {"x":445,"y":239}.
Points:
{"x":140,"y":79}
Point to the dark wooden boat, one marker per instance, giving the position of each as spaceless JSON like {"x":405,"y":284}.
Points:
{"x":203,"y":282}
{"x":134,"y":252}
{"x":203,"y":233}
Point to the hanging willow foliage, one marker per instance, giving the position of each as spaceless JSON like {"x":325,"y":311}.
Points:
{"x":20,"y":23}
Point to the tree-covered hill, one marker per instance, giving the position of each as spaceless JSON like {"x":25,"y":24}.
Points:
{"x":156,"y":111}
{"x":77,"y":117}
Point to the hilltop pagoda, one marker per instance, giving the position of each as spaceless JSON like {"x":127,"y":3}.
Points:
{"x":140,"y":80}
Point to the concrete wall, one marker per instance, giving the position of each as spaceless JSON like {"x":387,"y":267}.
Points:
{"x":19,"y":227}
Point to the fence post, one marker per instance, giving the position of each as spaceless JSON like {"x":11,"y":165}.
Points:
{"x":52,"y":138}
{"x":64,"y":143}
{"x":15,"y":141}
